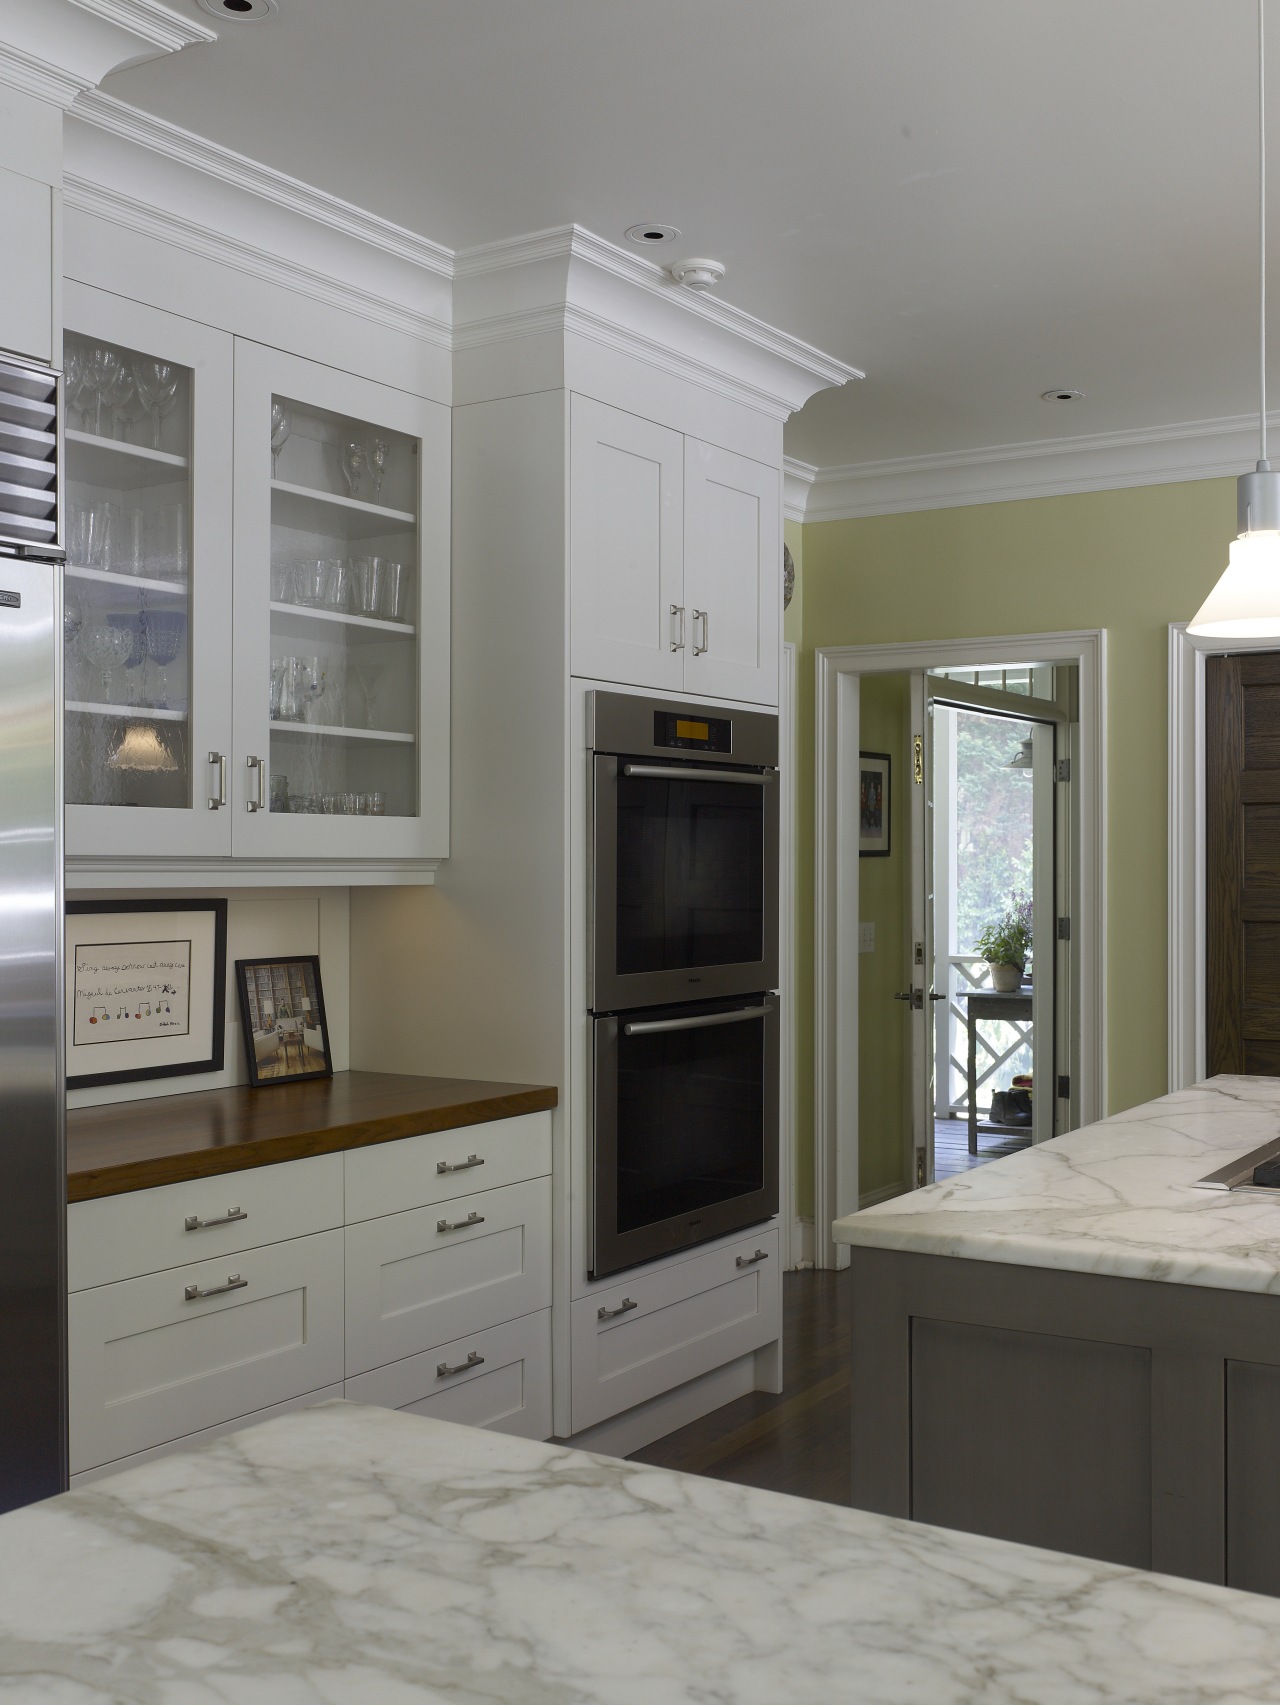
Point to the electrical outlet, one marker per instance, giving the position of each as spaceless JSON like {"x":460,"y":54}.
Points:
{"x":866,"y":938}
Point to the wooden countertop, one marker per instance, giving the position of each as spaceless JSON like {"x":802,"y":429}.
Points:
{"x":132,"y":1145}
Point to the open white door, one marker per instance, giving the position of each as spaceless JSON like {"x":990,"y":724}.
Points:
{"x":918,"y":989}
{"x":1044,"y":930}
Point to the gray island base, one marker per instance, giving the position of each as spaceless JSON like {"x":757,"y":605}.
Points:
{"x":1075,"y":1347}
{"x":354,"y":1556}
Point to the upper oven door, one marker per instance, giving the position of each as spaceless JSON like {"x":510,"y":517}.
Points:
{"x":685,"y":881}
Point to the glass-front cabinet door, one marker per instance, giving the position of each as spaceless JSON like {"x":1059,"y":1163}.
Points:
{"x":148,"y":586}
{"x":341,"y":651}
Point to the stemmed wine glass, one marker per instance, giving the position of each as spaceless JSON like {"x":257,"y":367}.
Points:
{"x":378,"y":448}
{"x":353,"y":465}
{"x":165,"y":631}
{"x":157,"y":383}
{"x":281,"y":426}
{"x":312,"y":682}
{"x":103,"y":371}
{"x":118,"y":397}
{"x":108,"y":647}
{"x":370,"y":677}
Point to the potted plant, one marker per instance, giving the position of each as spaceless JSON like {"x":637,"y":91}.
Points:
{"x":1005,"y":944}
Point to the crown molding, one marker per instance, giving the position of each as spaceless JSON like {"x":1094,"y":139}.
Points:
{"x":574,"y":243}
{"x":148,"y":220}
{"x":158,"y":136}
{"x":797,"y":481}
{"x":56,"y":49}
{"x":1051,"y":467}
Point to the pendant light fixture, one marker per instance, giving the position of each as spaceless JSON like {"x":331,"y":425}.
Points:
{"x":1245,"y":604}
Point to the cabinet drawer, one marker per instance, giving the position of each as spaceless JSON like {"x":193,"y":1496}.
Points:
{"x":686,"y":1320}
{"x":508,"y":1388}
{"x":145,"y":1231}
{"x":427,"y":1276}
{"x":148,"y":1365}
{"x":416,"y":1171}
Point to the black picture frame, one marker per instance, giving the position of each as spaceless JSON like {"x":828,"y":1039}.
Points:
{"x":287,"y":1026}
{"x":875,"y":778}
{"x":208,"y":1046}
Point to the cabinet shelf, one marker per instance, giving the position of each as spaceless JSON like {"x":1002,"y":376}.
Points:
{"x":302,"y":616}
{"x":329,"y":732}
{"x":127,"y":582}
{"x":306,"y":510}
{"x":129,"y":712}
{"x":121,"y":467}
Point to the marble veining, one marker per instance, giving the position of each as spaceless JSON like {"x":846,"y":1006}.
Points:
{"x":355,"y":1556}
{"x":1116,"y":1197}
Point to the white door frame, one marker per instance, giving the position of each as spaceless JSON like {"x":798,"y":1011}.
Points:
{"x":835,"y":947}
{"x":790,"y":1233}
{"x":1187,"y":654}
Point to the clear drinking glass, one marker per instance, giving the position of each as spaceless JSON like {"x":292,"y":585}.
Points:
{"x":352,"y":458}
{"x":281,"y":426}
{"x":103,"y":370}
{"x":282,"y":583}
{"x":107,"y":647}
{"x":309,"y":579}
{"x":337,"y":585}
{"x":368,"y":579}
{"x":395,"y":591}
{"x":378,"y":448}
{"x":129,"y":540}
{"x":370,"y":676}
{"x":157,"y":383}
{"x":166,"y":536}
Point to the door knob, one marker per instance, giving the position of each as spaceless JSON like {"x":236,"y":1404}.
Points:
{"x":915,"y":996}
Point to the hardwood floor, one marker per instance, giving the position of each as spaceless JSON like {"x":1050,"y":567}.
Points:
{"x":797,"y":1441}
{"x":951,"y":1148}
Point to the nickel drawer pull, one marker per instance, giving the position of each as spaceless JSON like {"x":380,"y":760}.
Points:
{"x":677,"y":629}
{"x":750,"y":1260}
{"x":474,"y":1360}
{"x":258,"y":799}
{"x":699,"y":616}
{"x":193,"y":1222}
{"x":624,"y":1307}
{"x":472,"y":1218}
{"x":460,"y":1165}
{"x":220,"y":798}
{"x":193,"y":1293}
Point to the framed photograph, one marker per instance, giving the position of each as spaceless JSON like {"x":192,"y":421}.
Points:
{"x":873,"y":805}
{"x":286,"y":1037}
{"x":146,"y":989}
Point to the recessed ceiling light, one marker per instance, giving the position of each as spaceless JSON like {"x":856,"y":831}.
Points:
{"x":1060,"y":394}
{"x":242,"y":11}
{"x":650,"y":234}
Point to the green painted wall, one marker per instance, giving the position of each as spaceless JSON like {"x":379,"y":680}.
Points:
{"x":884,"y":900}
{"x":1129,"y":561}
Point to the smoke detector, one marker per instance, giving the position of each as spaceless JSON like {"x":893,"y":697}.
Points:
{"x":241,"y":11}
{"x":697,"y":274}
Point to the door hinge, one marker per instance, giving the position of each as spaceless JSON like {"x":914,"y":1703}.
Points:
{"x":917,"y":750}
{"x":921,"y":1179}
{"x":1062,"y":770}
{"x":1064,"y":929}
{"x":1064,"y":1088}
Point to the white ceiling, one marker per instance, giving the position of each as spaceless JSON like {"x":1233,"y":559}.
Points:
{"x":973,"y":200}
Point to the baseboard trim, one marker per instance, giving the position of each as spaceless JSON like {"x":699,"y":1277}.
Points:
{"x":641,"y":1426}
{"x":886,"y":1193}
{"x":802,"y":1243}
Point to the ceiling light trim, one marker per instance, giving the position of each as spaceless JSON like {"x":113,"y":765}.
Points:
{"x":1010,"y":473}
{"x":574,"y":242}
{"x":85,"y":196}
{"x":185,"y":148}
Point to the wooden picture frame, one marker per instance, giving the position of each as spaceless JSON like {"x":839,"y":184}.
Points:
{"x":282,"y":1016}
{"x":145,"y":989}
{"x":875,"y":798}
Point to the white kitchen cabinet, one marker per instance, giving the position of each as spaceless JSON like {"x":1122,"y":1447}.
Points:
{"x":626,"y":547}
{"x":431,"y":1274}
{"x":499,"y":1379}
{"x":159,"y":1356}
{"x":676,"y":560}
{"x":341,"y":658}
{"x":654,"y":1329}
{"x":148,"y":580}
{"x":732,"y":575}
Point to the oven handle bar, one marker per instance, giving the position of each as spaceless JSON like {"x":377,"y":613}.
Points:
{"x":704,"y":1021}
{"x":674,"y":772}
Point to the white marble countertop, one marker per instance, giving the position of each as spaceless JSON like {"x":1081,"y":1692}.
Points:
{"x":1116,"y":1197}
{"x":354,"y":1556}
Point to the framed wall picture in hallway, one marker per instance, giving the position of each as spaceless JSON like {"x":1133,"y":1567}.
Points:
{"x":875,"y":770}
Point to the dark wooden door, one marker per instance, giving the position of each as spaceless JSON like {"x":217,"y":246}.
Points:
{"x":1242,"y":844}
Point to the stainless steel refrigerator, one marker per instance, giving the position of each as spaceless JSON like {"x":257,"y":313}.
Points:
{"x":33,"y":1408}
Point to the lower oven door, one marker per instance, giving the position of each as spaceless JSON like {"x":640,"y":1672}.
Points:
{"x":686,"y":1127}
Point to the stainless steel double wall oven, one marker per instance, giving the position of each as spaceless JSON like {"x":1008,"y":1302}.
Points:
{"x":684,"y":973}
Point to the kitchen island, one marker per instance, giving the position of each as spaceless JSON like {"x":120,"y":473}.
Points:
{"x":1076,"y":1346}
{"x":347,"y":1556}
